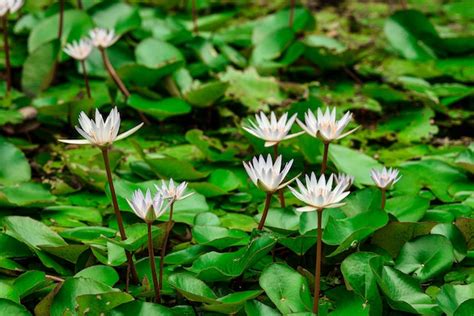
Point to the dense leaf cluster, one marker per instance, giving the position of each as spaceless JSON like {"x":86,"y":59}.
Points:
{"x":405,"y":73}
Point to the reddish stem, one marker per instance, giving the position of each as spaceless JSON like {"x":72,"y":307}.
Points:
{"x":292,"y":12}
{"x":119,"y":82}
{"x":123,"y":236}
{"x":281,"y":197}
{"x":86,"y":79}
{"x":6,"y":45}
{"x":61,"y":19}
{"x":265,"y":211}
{"x":325,"y":158}
{"x":195,"y":24}
{"x":317,"y":280}
{"x":384,"y":198}
{"x":151,"y":258}
{"x":165,"y":243}
{"x":113,"y":73}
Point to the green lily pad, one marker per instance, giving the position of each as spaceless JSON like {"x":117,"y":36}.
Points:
{"x":286,"y":288}
{"x":11,"y":308}
{"x":146,"y":53}
{"x":33,"y":233}
{"x":393,"y":236}
{"x":358,"y":274}
{"x":192,"y":288}
{"x":407,"y":208}
{"x":14,"y":167}
{"x":159,"y":109}
{"x":251,"y":89}
{"x":29,"y":282}
{"x":403,"y":292}
{"x":177,"y":169}
{"x":205,"y":94}
{"x":214,"y":266}
{"x":187,"y":255}
{"x":65,"y":299}
{"x":456,"y":237}
{"x":219,"y":237}
{"x":140,"y":308}
{"x":411,"y":34}
{"x":352,"y":162}
{"x":103,"y":274}
{"x":211,"y":147}
{"x":120,"y":17}
{"x":99,"y":303}
{"x":452,"y":296}
{"x":345,"y":232}
{"x":426,"y":257}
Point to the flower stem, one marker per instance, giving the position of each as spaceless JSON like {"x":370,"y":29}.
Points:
{"x":119,"y":82}
{"x":113,"y":73}
{"x":165,"y":243}
{"x":151,"y":258}
{"x":123,"y":236}
{"x":194,"y":12}
{"x":281,"y":197}
{"x":61,"y":19}
{"x":292,"y":12}
{"x":384,"y":198}
{"x":265,"y":211}
{"x":86,"y":79}
{"x":317,"y":279}
{"x":6,"y":45}
{"x":325,"y":158}
{"x":79,"y":4}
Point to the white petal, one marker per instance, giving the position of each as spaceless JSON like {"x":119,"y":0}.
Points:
{"x":129,"y":132}
{"x":75,"y":141}
{"x":270,"y":144}
{"x":306,"y":209}
{"x":294,"y":135}
{"x":349,"y":132}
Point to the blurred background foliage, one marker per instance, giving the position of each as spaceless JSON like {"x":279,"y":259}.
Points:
{"x":406,"y":70}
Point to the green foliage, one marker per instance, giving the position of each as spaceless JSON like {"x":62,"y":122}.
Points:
{"x":406,"y":73}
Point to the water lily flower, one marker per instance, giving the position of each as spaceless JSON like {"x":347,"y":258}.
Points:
{"x":385,"y":178}
{"x":98,"y":132}
{"x":79,"y":50}
{"x":272,"y":130}
{"x":319,"y":194}
{"x":266,"y":175}
{"x":345,"y":179}
{"x":9,"y":6}
{"x":325,"y":126}
{"x":173,"y":192}
{"x":147,"y":207}
{"x":103,"y":38}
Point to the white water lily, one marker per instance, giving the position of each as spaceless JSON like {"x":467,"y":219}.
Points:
{"x":173,"y":192}
{"x":98,"y":132}
{"x":147,"y":207}
{"x":325,"y":126}
{"x":79,"y":50}
{"x":385,"y":178}
{"x":103,"y":38}
{"x":10,"y":6}
{"x":272,"y":130}
{"x":266,"y":175}
{"x":320,"y":194}
{"x":345,"y":179}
